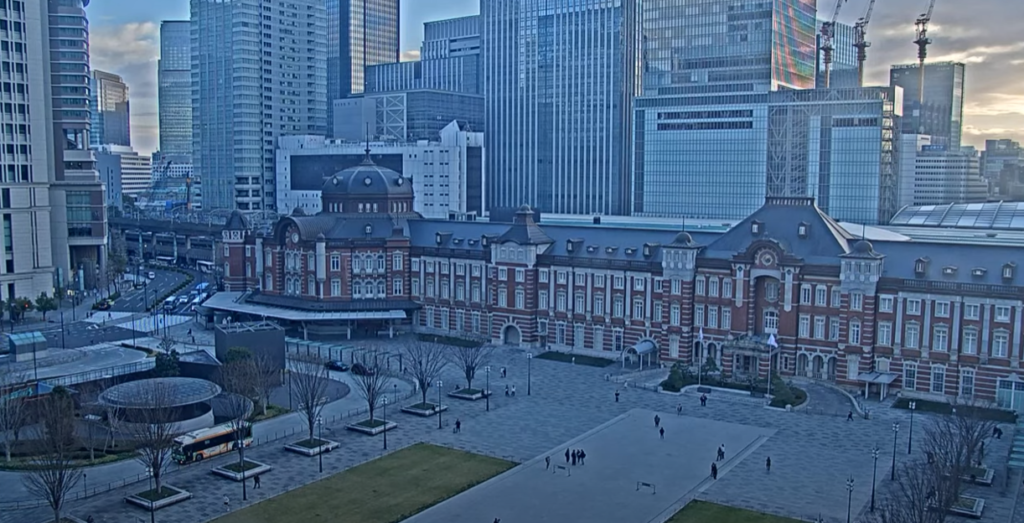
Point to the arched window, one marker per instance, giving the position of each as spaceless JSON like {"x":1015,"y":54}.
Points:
{"x":382,"y":288}
{"x":357,"y":289}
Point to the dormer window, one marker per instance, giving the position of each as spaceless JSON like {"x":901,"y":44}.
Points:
{"x":920,"y":266}
{"x":756,"y":227}
{"x":949,"y":270}
{"x":368,"y":229}
{"x":611,"y":250}
{"x":978,"y":271}
{"x":801,"y":230}
{"x":569,"y":247}
{"x":437,"y":238}
{"x":457,"y":241}
{"x":647,"y":250}
{"x":591,"y":249}
{"x":630,"y":251}
{"x":1008,"y":270}
{"x":471,"y":241}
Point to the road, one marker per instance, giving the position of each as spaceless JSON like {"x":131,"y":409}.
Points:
{"x":136,"y":300}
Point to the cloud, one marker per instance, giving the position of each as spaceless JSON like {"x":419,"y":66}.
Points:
{"x":409,"y":56}
{"x":131,"y":50}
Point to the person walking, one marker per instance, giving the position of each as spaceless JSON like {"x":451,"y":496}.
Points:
{"x":513,"y":391}
{"x":574,"y":458}
{"x":703,"y":400}
{"x":849,"y":416}
{"x":256,"y":481}
{"x":504,"y":372}
{"x":458,"y":426}
{"x":662,"y":432}
{"x":506,"y":390}
{"x":582,"y":456}
{"x":616,"y":396}
{"x":657,"y":420}
{"x":547,"y":462}
{"x":721,"y":453}
{"x":679,"y":409}
{"x":227,"y":504}
{"x":714,"y":471}
{"x":768,"y":464}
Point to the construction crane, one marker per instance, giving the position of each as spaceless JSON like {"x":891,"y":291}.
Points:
{"x":828,"y":32}
{"x":860,"y":42}
{"x":922,"y":41}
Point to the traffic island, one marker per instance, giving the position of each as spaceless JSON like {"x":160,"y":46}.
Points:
{"x":371,"y":427}
{"x":425,"y":409}
{"x":469,"y":394}
{"x":152,"y":500}
{"x":312,"y":446}
{"x":236,"y":472}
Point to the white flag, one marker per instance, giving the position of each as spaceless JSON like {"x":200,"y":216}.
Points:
{"x":772,"y":342}
{"x":700,"y":335}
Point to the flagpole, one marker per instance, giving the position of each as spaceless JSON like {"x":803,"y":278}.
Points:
{"x":700,"y":354}
{"x":774,"y":345}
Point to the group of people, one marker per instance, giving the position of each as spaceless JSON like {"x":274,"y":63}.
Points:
{"x":720,"y":456}
{"x":575,"y":456}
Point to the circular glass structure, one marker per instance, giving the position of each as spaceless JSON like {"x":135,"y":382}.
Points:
{"x":159,"y":393}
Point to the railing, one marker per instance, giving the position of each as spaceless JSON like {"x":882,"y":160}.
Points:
{"x":92,"y":375}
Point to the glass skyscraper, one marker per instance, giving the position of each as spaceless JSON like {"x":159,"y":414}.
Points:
{"x":942,"y":114}
{"x":110,"y":115}
{"x":559,"y":81}
{"x":174,"y":82}
{"x":257,"y":73}
{"x":359,"y":33}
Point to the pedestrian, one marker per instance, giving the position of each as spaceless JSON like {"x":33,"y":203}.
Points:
{"x":89,"y":519}
{"x":679,"y":409}
{"x":721,"y":452}
{"x":849,"y":416}
{"x":574,"y":455}
{"x":506,"y":390}
{"x":190,"y":332}
{"x":583,"y":456}
{"x":256,"y":481}
{"x":703,"y":400}
{"x":566,"y":456}
{"x":547,"y":462}
{"x":616,"y":396}
{"x":714,"y":471}
{"x":513,"y":391}
{"x":497,"y":520}
{"x":662,"y":432}
{"x":768,"y":464}
{"x":227,"y":504}
{"x":458,"y":425}
{"x":657,"y":420}
{"x":504,"y":372}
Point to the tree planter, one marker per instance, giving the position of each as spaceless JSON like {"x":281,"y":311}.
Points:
{"x":469,"y":394}
{"x":968,"y":506}
{"x":371,"y":428}
{"x":424,"y":409}
{"x":252,"y":468}
{"x":150,"y":501}
{"x":312,"y":447}
{"x":981,"y":476}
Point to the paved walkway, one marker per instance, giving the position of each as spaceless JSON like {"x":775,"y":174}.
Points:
{"x":812,"y":455}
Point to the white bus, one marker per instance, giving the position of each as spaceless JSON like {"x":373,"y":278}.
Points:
{"x":205,"y":443}
{"x":204,"y":266}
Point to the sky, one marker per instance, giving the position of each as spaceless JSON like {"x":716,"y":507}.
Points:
{"x":125,"y":40}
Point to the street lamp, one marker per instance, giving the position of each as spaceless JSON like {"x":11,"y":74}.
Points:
{"x":487,"y":397}
{"x":396,"y":393}
{"x":849,"y":499}
{"x":439,"y":385}
{"x":85,"y":480}
{"x":320,"y":437}
{"x":895,"y":432}
{"x":529,"y":369}
{"x":149,"y":473}
{"x":874,"y":472}
{"x":152,"y":509}
{"x":385,"y":423}
{"x":62,"y":345}
{"x":910,"y":440}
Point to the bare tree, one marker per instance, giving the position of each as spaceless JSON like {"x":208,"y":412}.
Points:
{"x":265,"y":378}
{"x":153,"y":429}
{"x":470,"y":359}
{"x":911,"y":499}
{"x":373,"y":381}
{"x":12,"y":408}
{"x":55,"y":475}
{"x":239,"y":379}
{"x":426,"y":361}
{"x":309,"y":385}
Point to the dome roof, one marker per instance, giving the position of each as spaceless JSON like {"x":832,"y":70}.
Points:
{"x":683,"y":238}
{"x":367,"y":179}
{"x":159,"y":392}
{"x":863,"y":247}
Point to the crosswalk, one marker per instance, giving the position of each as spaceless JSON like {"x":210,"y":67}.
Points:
{"x":153,"y":323}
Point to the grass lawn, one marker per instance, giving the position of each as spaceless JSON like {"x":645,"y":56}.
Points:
{"x":384,"y":490}
{"x":704,"y":512}
{"x":273,"y":411}
{"x":566,"y":357}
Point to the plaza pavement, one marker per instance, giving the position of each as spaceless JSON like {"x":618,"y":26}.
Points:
{"x":812,"y":455}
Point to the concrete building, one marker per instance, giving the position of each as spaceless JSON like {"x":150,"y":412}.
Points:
{"x":561,"y":145}
{"x":932,"y":175}
{"x":405,"y":116}
{"x":1002,"y":165}
{"x":836,"y":145}
{"x":111,"y":116}
{"x":361,"y":33}
{"x":942,"y":114}
{"x":449,"y":61}
{"x":78,"y":220}
{"x":174,"y":88}
{"x":238,"y":113}
{"x":109,"y":168}
{"x":136,"y":170}
{"x":446,"y":175}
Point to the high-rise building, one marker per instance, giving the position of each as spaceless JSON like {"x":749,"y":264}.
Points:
{"x":942,"y":114}
{"x":449,"y":61}
{"x":110,"y":121}
{"x":136,"y":170}
{"x":174,"y":85}
{"x":559,"y":82}
{"x":939,"y":176}
{"x":239,"y":110}
{"x":78,"y":218}
{"x":360,"y":33}
{"x":998,"y":154}
{"x":405,"y":116}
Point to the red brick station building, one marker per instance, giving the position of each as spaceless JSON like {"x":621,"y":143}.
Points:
{"x":939,"y":319}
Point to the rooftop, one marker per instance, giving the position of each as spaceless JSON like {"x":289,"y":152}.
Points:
{"x":159,"y":392}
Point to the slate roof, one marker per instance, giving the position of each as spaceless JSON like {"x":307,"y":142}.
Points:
{"x":236,"y":222}
{"x":345,"y":227}
{"x":524,"y":230}
{"x":900,"y":258}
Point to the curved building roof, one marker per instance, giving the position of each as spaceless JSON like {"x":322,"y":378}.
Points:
{"x":159,"y":392}
{"x":367,"y":179}
{"x":989,"y":215}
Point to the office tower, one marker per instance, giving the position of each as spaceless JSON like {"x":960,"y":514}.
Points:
{"x":239,"y":109}
{"x":360,"y":33}
{"x":110,"y":121}
{"x":932,"y":175}
{"x":78,"y":217}
{"x":727,"y":46}
{"x":559,"y":110}
{"x":942,"y":114}
{"x":718,"y":157}
{"x":844,"y":58}
{"x":1002,"y":165}
{"x":174,"y":85}
{"x":449,"y":61}
{"x":135,"y":171}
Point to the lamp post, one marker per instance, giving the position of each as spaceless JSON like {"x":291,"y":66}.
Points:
{"x":874,"y":472}
{"x":895,"y":432}
{"x":849,"y":499}
{"x":439,"y":385}
{"x":152,"y":512}
{"x":487,"y":397}
{"x":385,"y":423}
{"x":910,"y":439}
{"x":529,"y":369}
{"x":85,"y":481}
{"x":396,"y":393}
{"x":320,"y":429}
{"x":62,"y":345}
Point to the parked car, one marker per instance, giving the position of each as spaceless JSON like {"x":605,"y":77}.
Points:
{"x":183,"y":299}
{"x":337,"y":365}
{"x":361,"y":370}
{"x":151,"y":275}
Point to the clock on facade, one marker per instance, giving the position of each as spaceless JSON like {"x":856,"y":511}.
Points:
{"x":767,"y":259}
{"x":295,"y":237}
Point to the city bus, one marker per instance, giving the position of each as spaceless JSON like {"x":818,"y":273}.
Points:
{"x":206,"y":443}
{"x":204,"y":266}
